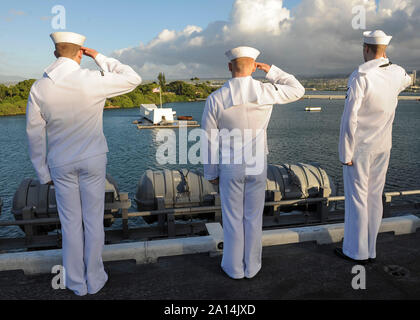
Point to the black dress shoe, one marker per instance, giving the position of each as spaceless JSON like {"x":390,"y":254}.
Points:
{"x":339,"y":252}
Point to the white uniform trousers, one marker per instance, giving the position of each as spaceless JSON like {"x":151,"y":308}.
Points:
{"x":80,"y":193}
{"x":242,"y":198}
{"x":363,"y":186}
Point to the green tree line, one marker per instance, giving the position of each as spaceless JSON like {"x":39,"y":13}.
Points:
{"x":13,"y":99}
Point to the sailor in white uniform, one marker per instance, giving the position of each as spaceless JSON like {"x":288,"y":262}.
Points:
{"x":68,"y":150}
{"x":241,"y":110}
{"x":365,"y":144}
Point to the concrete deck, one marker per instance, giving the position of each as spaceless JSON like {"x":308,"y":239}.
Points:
{"x":146,"y":252}
{"x":295,"y":271}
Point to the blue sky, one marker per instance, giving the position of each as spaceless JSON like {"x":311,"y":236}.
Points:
{"x":25,"y":25}
{"x":304,"y":37}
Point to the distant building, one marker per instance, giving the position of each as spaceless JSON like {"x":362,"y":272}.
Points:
{"x":414,"y":77}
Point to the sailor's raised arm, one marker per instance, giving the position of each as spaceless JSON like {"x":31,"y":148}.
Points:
{"x":116,"y":78}
{"x":283,"y":87}
{"x":36,"y":132}
{"x":210,"y":142}
{"x":406,"y":81}
{"x":348,"y":127}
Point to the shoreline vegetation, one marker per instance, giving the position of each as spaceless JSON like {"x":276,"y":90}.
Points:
{"x":13,"y":99}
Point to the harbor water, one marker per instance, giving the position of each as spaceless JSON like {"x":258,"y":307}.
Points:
{"x":293,"y":136}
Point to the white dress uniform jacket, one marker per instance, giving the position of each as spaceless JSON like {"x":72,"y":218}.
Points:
{"x":68,"y":103}
{"x":366,"y":140}
{"x":243,"y":103}
{"x":67,"y":146}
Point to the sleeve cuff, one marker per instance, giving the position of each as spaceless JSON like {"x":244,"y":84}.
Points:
{"x":275,"y":74}
{"x":210,"y":178}
{"x":100,"y":59}
{"x":45,"y":179}
{"x":346,"y":160}
{"x":211,"y":172}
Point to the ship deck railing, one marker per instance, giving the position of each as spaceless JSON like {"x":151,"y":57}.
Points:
{"x":322,"y":212}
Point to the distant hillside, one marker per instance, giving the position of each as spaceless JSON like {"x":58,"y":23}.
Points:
{"x":13,"y":98}
{"x":5,"y":79}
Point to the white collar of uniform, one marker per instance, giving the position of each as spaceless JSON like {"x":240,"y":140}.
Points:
{"x":243,"y":90}
{"x":60,"y":68}
{"x":372,"y":64}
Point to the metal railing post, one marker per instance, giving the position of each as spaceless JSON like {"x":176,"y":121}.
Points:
{"x":217,"y":213}
{"x":322,"y":206}
{"x":171,"y":225}
{"x":160,"y":205}
{"x":276,"y":197}
{"x":386,"y":201}
{"x":27,"y":214}
{"x":124,"y":214}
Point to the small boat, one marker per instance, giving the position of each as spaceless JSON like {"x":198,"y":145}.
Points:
{"x":185,"y":118}
{"x":313,"y":109}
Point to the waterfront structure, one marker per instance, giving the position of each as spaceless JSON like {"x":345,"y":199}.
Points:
{"x":156,"y":115}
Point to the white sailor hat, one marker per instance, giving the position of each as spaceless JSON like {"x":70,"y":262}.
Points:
{"x":376,"y":37}
{"x":69,"y":37}
{"x":241,"y":52}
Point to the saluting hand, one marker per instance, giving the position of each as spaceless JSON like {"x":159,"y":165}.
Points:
{"x":263,"y":66}
{"x":89,"y":52}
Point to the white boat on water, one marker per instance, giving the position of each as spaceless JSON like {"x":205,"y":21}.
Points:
{"x":157,"y":115}
{"x":313,"y":109}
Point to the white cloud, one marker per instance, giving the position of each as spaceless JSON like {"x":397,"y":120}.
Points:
{"x":165,"y":36}
{"x":197,"y":41}
{"x":316,"y":38}
{"x":250,"y":17}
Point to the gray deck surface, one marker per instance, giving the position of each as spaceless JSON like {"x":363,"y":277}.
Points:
{"x":298,"y":271}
